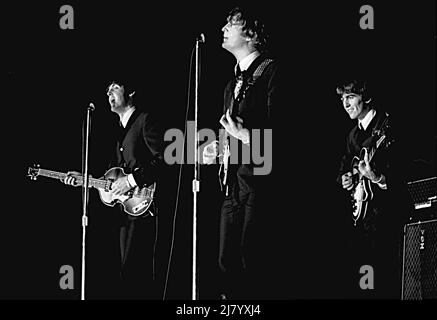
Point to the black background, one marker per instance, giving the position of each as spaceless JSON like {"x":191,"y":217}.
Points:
{"x":53,"y":74}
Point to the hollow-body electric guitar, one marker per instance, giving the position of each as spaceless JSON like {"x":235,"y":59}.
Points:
{"x":362,"y":193}
{"x":135,"y":202}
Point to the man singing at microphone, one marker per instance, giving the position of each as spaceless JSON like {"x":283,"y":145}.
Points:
{"x":139,"y":151}
{"x":248,"y":104}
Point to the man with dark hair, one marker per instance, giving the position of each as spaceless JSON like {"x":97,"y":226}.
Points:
{"x":248,"y":105}
{"x":139,"y":152}
{"x":370,"y":178}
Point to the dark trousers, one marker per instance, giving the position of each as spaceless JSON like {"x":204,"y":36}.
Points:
{"x":238,"y":248}
{"x":137,"y":252}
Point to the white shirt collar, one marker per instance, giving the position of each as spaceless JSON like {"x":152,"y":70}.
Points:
{"x":247,"y":61}
{"x":126,"y":116}
{"x":366,"y":120}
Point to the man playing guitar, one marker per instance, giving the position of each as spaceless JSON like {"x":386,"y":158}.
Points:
{"x":248,"y":101}
{"x":137,"y":162}
{"x":367,"y":174}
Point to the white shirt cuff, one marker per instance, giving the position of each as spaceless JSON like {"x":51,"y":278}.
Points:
{"x":245,"y":138}
{"x":131,"y":180}
{"x":382,"y":185}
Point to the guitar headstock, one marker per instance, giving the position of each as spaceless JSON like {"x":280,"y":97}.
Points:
{"x":33,"y":172}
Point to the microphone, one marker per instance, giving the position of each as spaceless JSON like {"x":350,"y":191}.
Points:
{"x":201,"y":38}
{"x":91,"y":107}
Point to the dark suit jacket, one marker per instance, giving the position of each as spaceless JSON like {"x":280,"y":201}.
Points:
{"x":255,"y":108}
{"x":139,"y":148}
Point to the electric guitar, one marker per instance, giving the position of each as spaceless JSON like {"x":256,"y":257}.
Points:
{"x":243,"y":84}
{"x":135,"y":202}
{"x":362,"y":193}
{"x":224,"y":140}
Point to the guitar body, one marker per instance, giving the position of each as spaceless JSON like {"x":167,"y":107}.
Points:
{"x":361,"y":194}
{"x":135,"y":202}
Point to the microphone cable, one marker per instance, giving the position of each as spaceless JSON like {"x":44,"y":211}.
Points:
{"x":179,"y":177}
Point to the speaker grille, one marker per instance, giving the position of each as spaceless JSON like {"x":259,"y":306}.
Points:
{"x":423,"y":192}
{"x":419,"y":274}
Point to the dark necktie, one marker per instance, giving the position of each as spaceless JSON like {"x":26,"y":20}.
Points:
{"x":238,"y":81}
{"x":238,"y":71}
{"x":361,"y":135}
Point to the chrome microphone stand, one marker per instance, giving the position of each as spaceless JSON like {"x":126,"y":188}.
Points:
{"x":196,"y":183}
{"x":85,"y":193}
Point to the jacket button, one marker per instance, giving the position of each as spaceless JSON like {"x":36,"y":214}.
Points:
{"x":121,"y":149}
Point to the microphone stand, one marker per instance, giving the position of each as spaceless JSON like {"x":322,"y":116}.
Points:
{"x":85,"y":193}
{"x":196,"y":183}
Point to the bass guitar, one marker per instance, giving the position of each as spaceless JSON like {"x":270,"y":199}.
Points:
{"x":135,"y":202}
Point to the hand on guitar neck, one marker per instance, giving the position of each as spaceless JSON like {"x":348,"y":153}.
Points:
{"x":71,"y":179}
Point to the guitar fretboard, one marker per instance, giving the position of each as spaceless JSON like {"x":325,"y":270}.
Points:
{"x":96,"y":183}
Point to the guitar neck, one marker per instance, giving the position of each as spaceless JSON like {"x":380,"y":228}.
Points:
{"x":372,"y":151}
{"x":95,"y":183}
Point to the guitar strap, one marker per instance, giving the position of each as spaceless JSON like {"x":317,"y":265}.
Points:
{"x":258,"y":72}
{"x":251,"y":82}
